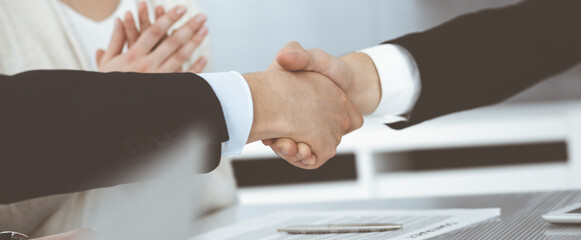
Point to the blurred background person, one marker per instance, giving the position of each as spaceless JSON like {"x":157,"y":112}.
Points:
{"x":73,"y":34}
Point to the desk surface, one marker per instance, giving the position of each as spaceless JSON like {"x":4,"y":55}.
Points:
{"x":521,"y":213}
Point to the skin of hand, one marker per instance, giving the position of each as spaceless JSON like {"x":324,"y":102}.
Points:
{"x":355,"y":73}
{"x":78,"y":234}
{"x":151,"y":50}
{"x":304,"y":106}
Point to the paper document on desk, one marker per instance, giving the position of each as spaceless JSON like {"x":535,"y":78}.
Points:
{"x":418,"y":224}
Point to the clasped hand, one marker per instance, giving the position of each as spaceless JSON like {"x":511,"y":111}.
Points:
{"x":320,"y":98}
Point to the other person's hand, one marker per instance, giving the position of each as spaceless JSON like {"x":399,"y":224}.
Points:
{"x":355,"y":73}
{"x":303,"y":106}
{"x":152,"y":50}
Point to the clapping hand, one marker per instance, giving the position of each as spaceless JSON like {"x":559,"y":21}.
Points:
{"x":151,"y":49}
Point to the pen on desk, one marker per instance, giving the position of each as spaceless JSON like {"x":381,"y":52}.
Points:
{"x":340,"y":228}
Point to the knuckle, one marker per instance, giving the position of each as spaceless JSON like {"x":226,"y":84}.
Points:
{"x":317,"y":50}
{"x":173,"y":16}
{"x":197,"y":40}
{"x":156,"y":31}
{"x":182,"y":56}
{"x":193,"y":24}
{"x":143,"y":66}
{"x":338,"y":140}
{"x":132,"y":56}
{"x":175,"y":40}
{"x":284,"y":143}
{"x":332,"y":153}
{"x":359,"y":121}
{"x":344,"y":122}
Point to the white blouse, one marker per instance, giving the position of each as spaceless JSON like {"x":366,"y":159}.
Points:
{"x":91,"y":34}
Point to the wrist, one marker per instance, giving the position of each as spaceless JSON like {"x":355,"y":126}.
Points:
{"x":265,"y":122}
{"x":365,"y":89}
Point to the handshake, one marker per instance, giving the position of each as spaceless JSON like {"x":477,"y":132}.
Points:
{"x":303,"y":103}
{"x":307,"y":100}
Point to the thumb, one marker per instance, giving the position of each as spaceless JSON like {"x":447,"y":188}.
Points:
{"x":293,"y":57}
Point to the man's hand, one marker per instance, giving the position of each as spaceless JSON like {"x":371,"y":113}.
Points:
{"x":303,"y":106}
{"x":79,"y":234}
{"x":152,"y":50}
{"x":354,"y":73}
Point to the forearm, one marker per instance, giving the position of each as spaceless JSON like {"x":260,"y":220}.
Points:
{"x":485,"y":57}
{"x":65,"y":131}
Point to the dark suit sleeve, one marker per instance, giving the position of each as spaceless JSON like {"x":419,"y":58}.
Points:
{"x":66,"y":131}
{"x":488,"y":56}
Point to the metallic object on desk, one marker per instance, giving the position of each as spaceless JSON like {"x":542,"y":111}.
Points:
{"x":340,"y":228}
{"x":9,"y":235}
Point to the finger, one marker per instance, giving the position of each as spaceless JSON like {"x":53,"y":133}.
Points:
{"x":159,"y":29}
{"x":99,"y":55}
{"x":117,"y":41}
{"x":298,"y":154}
{"x":286,"y":147}
{"x":144,"y":21}
{"x":322,"y":151}
{"x":159,"y":12}
{"x":130,"y":29}
{"x":190,"y":35}
{"x":293,"y":57}
{"x":267,"y":142}
{"x":184,"y":53}
{"x":199,"y":65}
{"x":305,"y":154}
{"x":308,"y":163}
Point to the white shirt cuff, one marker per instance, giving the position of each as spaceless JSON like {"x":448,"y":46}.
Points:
{"x":400,"y":83}
{"x":234,"y":95}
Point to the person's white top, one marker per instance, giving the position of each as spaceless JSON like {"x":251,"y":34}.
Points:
{"x":92,"y":34}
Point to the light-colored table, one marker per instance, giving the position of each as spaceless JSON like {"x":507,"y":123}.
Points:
{"x":521,"y":214}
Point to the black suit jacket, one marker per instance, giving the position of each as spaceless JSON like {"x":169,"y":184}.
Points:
{"x":66,"y":131}
{"x":488,"y":56}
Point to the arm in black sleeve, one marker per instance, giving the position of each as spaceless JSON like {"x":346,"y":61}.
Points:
{"x":66,"y":131}
{"x":488,"y":56}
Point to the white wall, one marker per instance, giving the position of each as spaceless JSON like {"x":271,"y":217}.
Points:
{"x":247,"y":33}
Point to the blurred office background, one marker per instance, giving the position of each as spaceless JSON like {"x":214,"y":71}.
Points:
{"x":532,"y":142}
